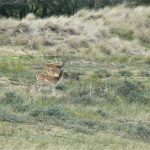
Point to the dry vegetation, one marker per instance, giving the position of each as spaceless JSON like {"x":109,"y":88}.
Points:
{"x":104,"y":99}
{"x":108,"y":31}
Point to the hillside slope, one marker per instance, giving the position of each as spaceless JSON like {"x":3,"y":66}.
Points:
{"x":103,"y":100}
{"x":108,"y":31}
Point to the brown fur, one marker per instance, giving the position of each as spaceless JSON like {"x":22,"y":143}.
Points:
{"x":53,"y":72}
{"x":53,"y":69}
{"x":53,"y":66}
{"x":49,"y":79}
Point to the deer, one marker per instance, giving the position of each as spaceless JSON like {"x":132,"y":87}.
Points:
{"x":53,"y":69}
{"x":53,"y":81}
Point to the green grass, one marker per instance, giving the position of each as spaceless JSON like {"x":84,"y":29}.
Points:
{"x":108,"y":100}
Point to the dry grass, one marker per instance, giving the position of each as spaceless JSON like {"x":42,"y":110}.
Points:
{"x":108,"y":31}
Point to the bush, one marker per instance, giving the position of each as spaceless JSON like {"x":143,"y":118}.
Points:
{"x":81,"y":95}
{"x":104,"y":48}
{"x":90,"y":124}
{"x":103,"y":73}
{"x":58,"y":112}
{"x":140,"y":132}
{"x":145,"y":73}
{"x":12,"y":98}
{"x":123,"y":32}
{"x":132,"y":92}
{"x":125,"y":73}
{"x":22,"y":27}
{"x":52,"y":112}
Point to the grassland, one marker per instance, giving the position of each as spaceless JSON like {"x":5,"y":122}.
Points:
{"x":104,"y":99}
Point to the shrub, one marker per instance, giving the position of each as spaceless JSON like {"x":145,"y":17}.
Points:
{"x":104,"y":92}
{"x":140,"y":132}
{"x":22,"y":27}
{"x":90,"y":124}
{"x":52,"y":112}
{"x":146,"y":60}
{"x":22,"y":107}
{"x":103,"y":73}
{"x":81,"y":95}
{"x":58,"y":112}
{"x":125,"y":73}
{"x":132,"y":91}
{"x":12,"y":98}
{"x":36,"y":112}
{"x":124,"y":33}
{"x":104,"y":48}
{"x":145,"y":73}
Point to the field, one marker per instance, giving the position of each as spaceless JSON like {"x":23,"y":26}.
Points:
{"x":104,"y":98}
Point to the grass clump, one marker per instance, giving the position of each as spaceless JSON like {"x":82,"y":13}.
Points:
{"x":122,"y":32}
{"x":88,"y":127}
{"x":16,"y":101}
{"x":145,"y":73}
{"x":52,"y":112}
{"x":140,"y":132}
{"x":103,"y":73}
{"x":22,"y":27}
{"x":12,"y":98}
{"x":146,"y":60}
{"x":104,"y":48}
{"x":81,"y":95}
{"x":125,"y":73}
{"x":132,"y":92}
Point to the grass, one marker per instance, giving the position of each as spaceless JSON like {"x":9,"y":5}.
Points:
{"x":103,"y":101}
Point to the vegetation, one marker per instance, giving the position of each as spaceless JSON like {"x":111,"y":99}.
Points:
{"x":44,"y":8}
{"x":104,"y":98}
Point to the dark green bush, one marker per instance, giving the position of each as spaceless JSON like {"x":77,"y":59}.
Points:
{"x":132,"y":91}
{"x":58,"y":112}
{"x":52,"y":112}
{"x":140,"y":132}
